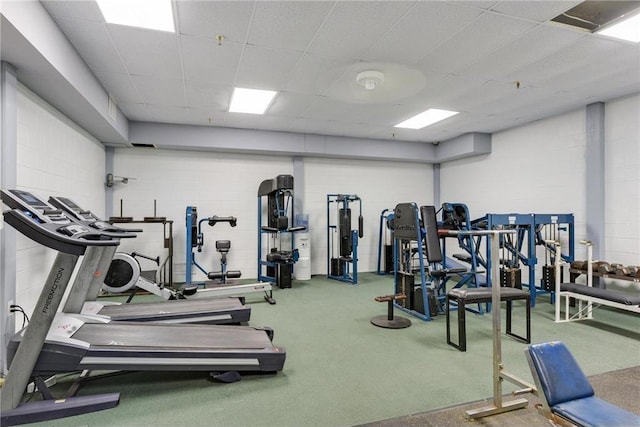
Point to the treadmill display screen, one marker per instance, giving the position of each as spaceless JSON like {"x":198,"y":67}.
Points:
{"x":70,"y":204}
{"x":30,"y":199}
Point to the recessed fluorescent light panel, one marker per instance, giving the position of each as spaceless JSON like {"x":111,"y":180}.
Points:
{"x":426,"y":118}
{"x":627,"y":29}
{"x":252,"y":101}
{"x":149,"y":14}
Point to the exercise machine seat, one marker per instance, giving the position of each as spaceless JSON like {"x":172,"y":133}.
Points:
{"x":568,"y":392}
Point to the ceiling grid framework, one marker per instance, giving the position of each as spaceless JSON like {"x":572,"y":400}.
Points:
{"x":470,"y":54}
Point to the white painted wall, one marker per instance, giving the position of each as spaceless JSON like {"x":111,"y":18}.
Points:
{"x":380,"y":185}
{"x":622,"y":181}
{"x":55,"y":158}
{"x":215,"y":183}
{"x":540,"y":168}
{"x":227,"y":184}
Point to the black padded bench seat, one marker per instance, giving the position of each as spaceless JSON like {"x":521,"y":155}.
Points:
{"x":462,"y":297}
{"x":600,"y":293}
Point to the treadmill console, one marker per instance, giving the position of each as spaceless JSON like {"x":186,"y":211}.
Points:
{"x":49,"y":226}
{"x":27,"y":202}
{"x":89,"y":219}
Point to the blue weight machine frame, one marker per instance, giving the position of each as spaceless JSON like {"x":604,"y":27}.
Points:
{"x":529,"y":234}
{"x":346,"y":263}
{"x":195,"y":239}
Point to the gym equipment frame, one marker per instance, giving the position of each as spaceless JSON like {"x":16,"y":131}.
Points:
{"x":592,"y":296}
{"x":276,"y":252}
{"x":342,"y":240}
{"x":500,"y":374}
{"x":532,"y":230}
{"x":195,"y":239}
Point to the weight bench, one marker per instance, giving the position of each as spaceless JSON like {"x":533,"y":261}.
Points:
{"x":462,"y":297}
{"x":566,"y":394}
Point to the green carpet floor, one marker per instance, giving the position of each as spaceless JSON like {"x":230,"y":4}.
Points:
{"x":343,"y":371}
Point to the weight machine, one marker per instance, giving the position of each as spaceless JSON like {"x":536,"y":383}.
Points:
{"x":342,"y":241}
{"x":385,"y":243}
{"x":195,"y":239}
{"x":518,"y":247}
{"x":275,"y":234}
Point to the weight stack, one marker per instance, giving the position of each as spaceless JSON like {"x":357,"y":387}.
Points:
{"x":388,"y":258}
{"x":337,"y":267}
{"x":511,"y":278}
{"x":419,"y":302}
{"x":405,"y":285}
{"x":549,"y":277}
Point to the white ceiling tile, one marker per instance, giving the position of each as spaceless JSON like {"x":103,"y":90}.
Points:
{"x":167,"y":114}
{"x":354,"y":26}
{"x":287,"y":25}
{"x":289,"y":104}
{"x":540,"y":11}
{"x":93,"y":42}
{"x":485,"y":35}
{"x":160,"y":91}
{"x":211,"y":96}
{"x":427,"y":26}
{"x":310,"y":74}
{"x":81,"y":10}
{"x":469,"y":52}
{"x":536,"y":44}
{"x":263,"y":68}
{"x":147,"y":52}
{"x":210,"y":18}
{"x":206,"y":61}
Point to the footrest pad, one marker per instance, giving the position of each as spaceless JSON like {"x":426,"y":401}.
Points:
{"x":387,"y":298}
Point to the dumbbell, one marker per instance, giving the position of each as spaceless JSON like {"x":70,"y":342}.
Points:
{"x":605,"y":268}
{"x":579,"y":265}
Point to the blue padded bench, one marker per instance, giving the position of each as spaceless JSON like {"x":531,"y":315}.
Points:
{"x":566,"y":394}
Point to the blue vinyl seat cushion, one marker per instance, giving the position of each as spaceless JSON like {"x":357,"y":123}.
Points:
{"x":568,"y":391}
{"x":595,"y":412}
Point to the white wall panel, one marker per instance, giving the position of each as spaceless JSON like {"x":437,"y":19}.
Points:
{"x":380,"y":185}
{"x":215,"y":183}
{"x":622,"y":181}
{"x":55,"y":157}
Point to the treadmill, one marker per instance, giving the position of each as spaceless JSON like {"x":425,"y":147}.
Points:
{"x":56,"y":342}
{"x":209,"y":311}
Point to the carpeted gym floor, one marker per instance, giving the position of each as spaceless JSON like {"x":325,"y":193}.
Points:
{"x":343,"y":371}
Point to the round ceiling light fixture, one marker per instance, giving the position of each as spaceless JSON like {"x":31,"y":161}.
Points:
{"x":370,"y":79}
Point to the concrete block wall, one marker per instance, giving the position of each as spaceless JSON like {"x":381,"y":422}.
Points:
{"x":215,"y":183}
{"x":622,"y":181}
{"x":227,"y":184}
{"x":535,"y":168}
{"x":380,"y":185}
{"x":55,"y":158}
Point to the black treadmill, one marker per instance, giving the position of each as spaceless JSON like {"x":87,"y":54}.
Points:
{"x":58,"y":342}
{"x":211,"y":311}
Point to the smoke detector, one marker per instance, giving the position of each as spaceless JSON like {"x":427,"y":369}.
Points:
{"x":370,"y":79}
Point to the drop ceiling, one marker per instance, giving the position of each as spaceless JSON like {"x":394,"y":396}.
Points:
{"x":499,"y":63}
